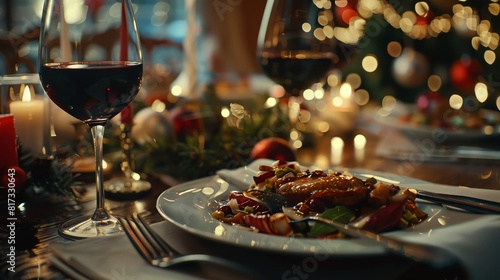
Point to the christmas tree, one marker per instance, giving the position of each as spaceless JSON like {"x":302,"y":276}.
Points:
{"x":437,"y":55}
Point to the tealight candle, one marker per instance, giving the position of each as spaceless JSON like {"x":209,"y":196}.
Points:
{"x":29,"y":121}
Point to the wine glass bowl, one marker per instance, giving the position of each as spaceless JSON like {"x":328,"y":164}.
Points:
{"x":87,"y":84}
{"x":296,"y":46}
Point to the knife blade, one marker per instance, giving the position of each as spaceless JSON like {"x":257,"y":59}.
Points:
{"x":471,"y":204}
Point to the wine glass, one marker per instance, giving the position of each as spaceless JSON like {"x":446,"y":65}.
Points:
{"x":296,"y":46}
{"x":90,"y":63}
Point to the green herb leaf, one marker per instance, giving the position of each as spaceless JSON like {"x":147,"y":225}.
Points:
{"x":339,"y":214}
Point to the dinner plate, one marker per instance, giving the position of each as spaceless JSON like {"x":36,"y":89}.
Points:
{"x":488,"y":135}
{"x":189,"y":206}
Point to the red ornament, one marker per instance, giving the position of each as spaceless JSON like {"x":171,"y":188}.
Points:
{"x":433,"y":106}
{"x":425,"y":19}
{"x":186,"y":122}
{"x":13,"y":177}
{"x":464,"y":74}
{"x":345,"y":13}
{"x":273,"y":148}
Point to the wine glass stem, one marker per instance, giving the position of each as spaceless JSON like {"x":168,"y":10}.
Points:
{"x":100,"y":213}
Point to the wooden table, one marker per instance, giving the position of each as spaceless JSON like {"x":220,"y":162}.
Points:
{"x":42,"y":220}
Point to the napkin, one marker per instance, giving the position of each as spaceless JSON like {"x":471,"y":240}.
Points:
{"x":476,"y":241}
{"x":111,"y":257}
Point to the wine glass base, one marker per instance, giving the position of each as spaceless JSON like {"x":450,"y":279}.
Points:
{"x":84,"y":227}
{"x":116,"y":188}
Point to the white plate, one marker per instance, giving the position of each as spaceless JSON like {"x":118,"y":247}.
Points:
{"x":189,"y":206}
{"x":442,"y":135}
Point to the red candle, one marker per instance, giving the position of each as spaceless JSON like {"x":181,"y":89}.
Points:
{"x":8,"y":147}
{"x":127,"y":115}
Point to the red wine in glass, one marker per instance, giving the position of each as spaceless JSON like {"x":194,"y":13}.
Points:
{"x":90,"y":65}
{"x":92,"y":91}
{"x":295,"y":72}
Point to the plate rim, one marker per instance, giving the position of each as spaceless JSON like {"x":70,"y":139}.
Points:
{"x":376,"y":250}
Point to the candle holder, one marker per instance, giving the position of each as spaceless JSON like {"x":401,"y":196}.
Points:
{"x":22,"y":96}
{"x":130,"y":184}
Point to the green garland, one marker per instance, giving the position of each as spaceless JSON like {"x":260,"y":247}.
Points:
{"x":47,"y":177}
{"x":226,"y":143}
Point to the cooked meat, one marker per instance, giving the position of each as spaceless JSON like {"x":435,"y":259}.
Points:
{"x":301,"y":188}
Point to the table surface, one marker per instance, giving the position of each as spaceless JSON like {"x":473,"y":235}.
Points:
{"x":41,"y":220}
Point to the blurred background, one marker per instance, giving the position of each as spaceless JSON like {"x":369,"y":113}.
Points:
{"x":422,"y":64}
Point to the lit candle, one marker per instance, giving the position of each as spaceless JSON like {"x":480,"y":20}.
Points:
{"x":29,"y":121}
{"x":359,"y":148}
{"x":8,"y":148}
{"x":337,"y":147}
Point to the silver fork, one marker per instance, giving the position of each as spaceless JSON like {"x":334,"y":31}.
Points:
{"x":159,"y":253}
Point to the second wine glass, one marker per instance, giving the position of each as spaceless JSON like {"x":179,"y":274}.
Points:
{"x":296,"y":44}
{"x":91,"y":67}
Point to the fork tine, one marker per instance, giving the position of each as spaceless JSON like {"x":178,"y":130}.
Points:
{"x":163,"y":247}
{"x":144,"y":249}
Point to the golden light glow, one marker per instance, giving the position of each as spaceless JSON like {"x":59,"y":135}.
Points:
{"x":158,"y":106}
{"x":488,"y":129}
{"x":333,"y":80}
{"x":345,"y":90}
{"x":361,"y":97}
{"x":26,"y":94}
{"x":294,"y":134}
{"x":271,"y":102}
{"x":494,"y":9}
{"x":323,"y":127}
{"x":481,"y":92}
{"x":319,"y":34}
{"x":308,"y":94}
{"x":319,"y":93}
{"x":337,"y":101}
{"x":389,"y":102}
{"x":489,"y":57}
{"x":306,"y":27}
{"x":359,"y":141}
{"x":176,"y":90}
{"x":297,"y":144}
{"x":328,"y":30}
{"x":369,"y":63}
{"x":354,"y":80}
{"x":434,"y":82}
{"x":337,"y":143}
{"x":323,"y":20}
{"x":456,"y":101}
{"x":341,"y":3}
{"x":224,"y":112}
{"x":394,"y":49}
{"x":422,"y":9}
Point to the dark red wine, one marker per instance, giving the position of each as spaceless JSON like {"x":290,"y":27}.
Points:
{"x":93,"y":91}
{"x":295,"y":73}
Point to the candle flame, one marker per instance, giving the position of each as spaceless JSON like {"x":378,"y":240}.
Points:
{"x":26,"y":94}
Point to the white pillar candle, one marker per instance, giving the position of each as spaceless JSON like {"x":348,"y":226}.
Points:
{"x":29,"y":121}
